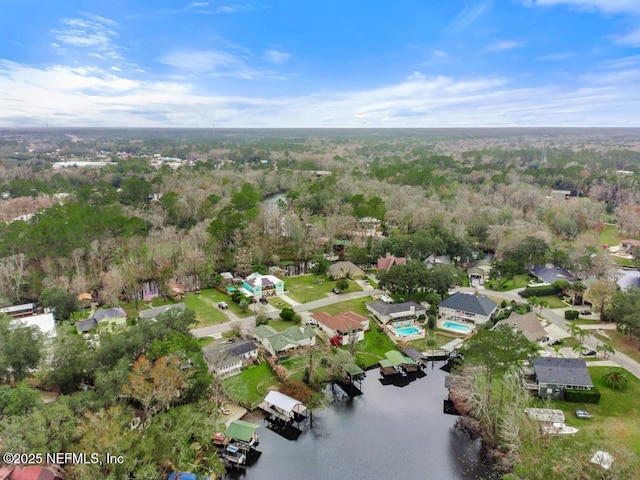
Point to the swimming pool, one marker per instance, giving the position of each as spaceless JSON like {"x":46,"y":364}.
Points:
{"x":406,"y":331}
{"x":457,"y":327}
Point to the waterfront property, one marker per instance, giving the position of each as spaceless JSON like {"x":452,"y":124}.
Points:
{"x":342,"y":328}
{"x":467,"y":308}
{"x":229,"y":359}
{"x":553,"y":376}
{"x":292,"y":338}
{"x":396,"y":314}
{"x":283,"y":408}
{"x":397,"y":363}
{"x":243,"y":434}
{"x":108,"y":319}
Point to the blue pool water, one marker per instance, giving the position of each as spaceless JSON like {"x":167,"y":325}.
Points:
{"x":403,"y":332}
{"x":458,"y":327}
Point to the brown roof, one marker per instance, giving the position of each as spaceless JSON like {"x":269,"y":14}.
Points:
{"x":385,"y":263}
{"x":342,"y":322}
{"x":528,"y":324}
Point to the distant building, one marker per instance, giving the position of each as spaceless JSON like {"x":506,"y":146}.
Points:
{"x":345,"y":270}
{"x":292,"y":338}
{"x":151,"y":314}
{"x":44,"y":322}
{"x":386,"y":312}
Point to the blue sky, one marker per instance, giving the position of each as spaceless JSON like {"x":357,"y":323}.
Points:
{"x":328,"y":63}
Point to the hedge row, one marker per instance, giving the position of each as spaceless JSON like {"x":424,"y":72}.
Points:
{"x":582,"y":396}
{"x":541,"y":291}
{"x":571,"y":314}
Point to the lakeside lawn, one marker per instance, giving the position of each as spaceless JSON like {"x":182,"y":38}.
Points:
{"x":421,"y":343}
{"x":251,"y":385}
{"x":614,"y":428}
{"x":372,"y":349}
{"x":308,"y":288}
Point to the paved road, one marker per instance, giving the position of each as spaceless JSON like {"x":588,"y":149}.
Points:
{"x":248,"y":323}
{"x":556,"y":318}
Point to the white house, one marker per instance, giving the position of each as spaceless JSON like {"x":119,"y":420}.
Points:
{"x":465,"y":307}
{"x":386,"y":312}
{"x":229,"y":360}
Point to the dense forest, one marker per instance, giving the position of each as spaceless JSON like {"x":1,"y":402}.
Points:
{"x":182,"y":206}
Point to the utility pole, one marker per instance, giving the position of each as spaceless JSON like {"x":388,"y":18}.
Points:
{"x":544,"y":151}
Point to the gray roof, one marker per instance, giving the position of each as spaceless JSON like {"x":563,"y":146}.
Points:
{"x":86,"y":325}
{"x":562,"y":371}
{"x":551,"y":275}
{"x":114,"y":312}
{"x":241,"y":348}
{"x":384,"y":308}
{"x":151,"y":313}
{"x":466,"y":302}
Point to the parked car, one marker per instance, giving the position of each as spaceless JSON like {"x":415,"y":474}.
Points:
{"x":366,"y":282}
{"x":552,"y":341}
{"x":583,"y":414}
{"x":337,"y":291}
{"x":223,"y":306}
{"x":585,"y":312}
{"x":589,"y":353}
{"x":263,"y":300}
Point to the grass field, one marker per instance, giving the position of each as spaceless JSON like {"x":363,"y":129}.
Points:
{"x":621,"y":343}
{"x":356,"y":305}
{"x":308,"y":288}
{"x":614,"y":428}
{"x":554,"y":301}
{"x":206,"y":307}
{"x":609,"y":235}
{"x":251,"y":385}
{"x":372,"y":349}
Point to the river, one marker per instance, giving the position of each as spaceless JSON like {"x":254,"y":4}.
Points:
{"x":388,"y":432}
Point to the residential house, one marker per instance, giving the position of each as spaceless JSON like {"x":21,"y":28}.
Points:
{"x":259,"y":285}
{"x":480,"y":272}
{"x":151,"y":314}
{"x":345,"y":270}
{"x":229,"y":360}
{"x":465,"y":307}
{"x":555,"y":375}
{"x":344,"y":327}
{"x":385,"y":263}
{"x":528,"y":324}
{"x":44,"y":322}
{"x":551,"y":274}
{"x":108,"y":319}
{"x":386,"y":312}
{"x":627,"y":246}
{"x":19,"y":310}
{"x":292,"y":338}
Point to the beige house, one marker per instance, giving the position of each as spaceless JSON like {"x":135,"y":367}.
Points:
{"x":346,"y":270}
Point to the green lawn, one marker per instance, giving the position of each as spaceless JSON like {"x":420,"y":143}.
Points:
{"x":277,"y":302}
{"x":613,"y":428}
{"x":609,"y":235}
{"x":206,"y":307}
{"x":307,"y":288}
{"x":356,"y":305}
{"x":251,"y":385}
{"x":421,"y":344}
{"x":372,"y":349}
{"x":519,"y":281}
{"x":554,"y":301}
{"x":280,"y":325}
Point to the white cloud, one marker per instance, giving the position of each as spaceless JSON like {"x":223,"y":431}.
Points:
{"x":78,"y":32}
{"x":556,"y":57}
{"x":503,"y":46}
{"x":631,"y":39}
{"x":468,"y":15}
{"x":198,"y":4}
{"x":210,"y":62}
{"x":65,"y":96}
{"x":276,"y":56}
{"x":439,"y":54}
{"x":607,"y":6}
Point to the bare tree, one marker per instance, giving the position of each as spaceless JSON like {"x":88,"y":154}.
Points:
{"x":13,"y":273}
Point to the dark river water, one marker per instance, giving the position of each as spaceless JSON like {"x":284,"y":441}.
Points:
{"x":389,"y":432}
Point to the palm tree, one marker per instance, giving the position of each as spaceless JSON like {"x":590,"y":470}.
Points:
{"x":556,"y":348}
{"x":606,"y":350}
{"x":615,"y":378}
{"x":579,"y":349}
